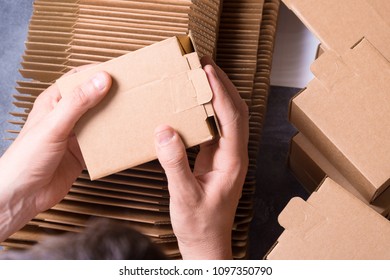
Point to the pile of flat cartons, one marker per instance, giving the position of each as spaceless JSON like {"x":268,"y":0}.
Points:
{"x":64,"y":34}
{"x":244,"y":52}
{"x":344,"y":126}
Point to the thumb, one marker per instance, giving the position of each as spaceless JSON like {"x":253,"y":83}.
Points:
{"x":173,"y":157}
{"x":71,"y":107}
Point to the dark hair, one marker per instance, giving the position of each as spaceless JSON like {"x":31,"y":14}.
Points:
{"x":102,"y":239}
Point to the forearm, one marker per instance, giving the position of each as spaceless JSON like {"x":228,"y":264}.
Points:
{"x":16,"y":207}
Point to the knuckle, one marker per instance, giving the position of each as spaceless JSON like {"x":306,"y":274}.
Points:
{"x":176,"y":161}
{"x":80,"y":97}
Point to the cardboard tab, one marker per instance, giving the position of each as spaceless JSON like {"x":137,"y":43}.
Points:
{"x":203,"y":91}
{"x":299,"y":217}
{"x":193,"y":60}
{"x":152,"y":86}
{"x":330,"y":71}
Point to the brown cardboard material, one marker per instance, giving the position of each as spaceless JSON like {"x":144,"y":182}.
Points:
{"x":81,"y":220}
{"x":331,"y":224}
{"x":125,"y":204}
{"x":152,"y":193}
{"x":302,"y":165}
{"x":310,"y":167}
{"x":16,"y":244}
{"x":340,"y":24}
{"x":344,"y":112}
{"x":148,"y":217}
{"x":159,"y":84}
{"x":132,"y":181}
{"x":50,"y":225}
{"x":32,"y":233}
{"x":120,"y":195}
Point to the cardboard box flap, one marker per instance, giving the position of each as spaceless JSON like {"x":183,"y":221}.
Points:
{"x":300,"y":217}
{"x":200,"y":83}
{"x":330,"y":71}
{"x":360,"y":60}
{"x":158,"y":84}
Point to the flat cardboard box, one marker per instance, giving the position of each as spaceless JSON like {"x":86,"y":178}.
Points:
{"x":311,"y":167}
{"x":160,"y":84}
{"x":81,"y":220}
{"x":331,"y":225}
{"x":344,"y":113}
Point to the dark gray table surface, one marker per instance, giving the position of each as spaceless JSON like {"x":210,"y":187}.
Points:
{"x":275,"y":183}
{"x":14,"y":18}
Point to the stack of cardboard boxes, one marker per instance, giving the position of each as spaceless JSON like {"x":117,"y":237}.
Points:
{"x":344,"y":126}
{"x":64,"y":34}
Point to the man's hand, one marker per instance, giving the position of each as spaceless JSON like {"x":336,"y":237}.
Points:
{"x":40,"y":166}
{"x":203,"y":202}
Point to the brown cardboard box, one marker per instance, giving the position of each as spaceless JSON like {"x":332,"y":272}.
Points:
{"x":303,"y":164}
{"x":331,"y":224}
{"x":339,"y":25}
{"x":344,"y":112}
{"x":310,"y":167}
{"x":160,"y":84}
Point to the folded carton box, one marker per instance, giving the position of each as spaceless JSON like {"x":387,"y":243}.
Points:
{"x":340,"y":24}
{"x":160,"y":84}
{"x":302,"y":163}
{"x":311,"y":167}
{"x":331,"y":224}
{"x":344,"y":112}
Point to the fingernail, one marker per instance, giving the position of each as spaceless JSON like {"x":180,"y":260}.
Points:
{"x":99,"y":81}
{"x":164,"y":137}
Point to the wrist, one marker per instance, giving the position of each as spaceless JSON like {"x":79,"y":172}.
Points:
{"x":217,"y":248}
{"x":16,"y":207}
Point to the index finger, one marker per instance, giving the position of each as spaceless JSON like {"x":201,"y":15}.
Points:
{"x":232,"y":118}
{"x":228,"y":84}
